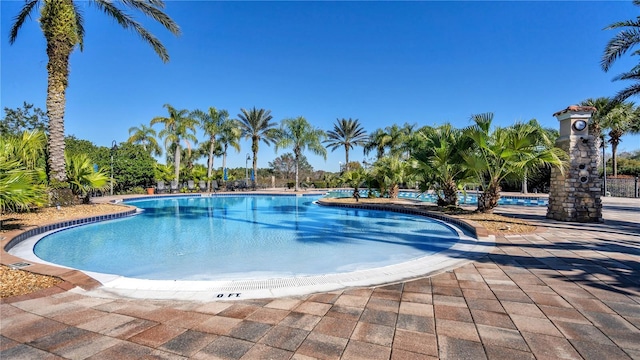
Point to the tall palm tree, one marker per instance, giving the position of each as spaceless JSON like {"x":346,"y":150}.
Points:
{"x":255,"y":124}
{"x":62,"y":23}
{"x":176,"y":129}
{"x":300,"y":135}
{"x":502,"y":152}
{"x":145,"y":136}
{"x":211,"y":122}
{"x":624,"y":41}
{"x":619,"y":122}
{"x":347,"y":133}
{"x":377,"y":141}
{"x":400,"y":143}
{"x":229,"y":135}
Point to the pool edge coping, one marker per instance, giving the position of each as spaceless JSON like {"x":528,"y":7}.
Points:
{"x":70,"y":277}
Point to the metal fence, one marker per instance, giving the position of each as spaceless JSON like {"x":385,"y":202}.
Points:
{"x":627,"y":187}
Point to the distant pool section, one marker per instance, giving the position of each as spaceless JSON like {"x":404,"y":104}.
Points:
{"x":468,"y":199}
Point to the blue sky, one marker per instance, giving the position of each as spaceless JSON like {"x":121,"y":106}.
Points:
{"x":380,"y":62}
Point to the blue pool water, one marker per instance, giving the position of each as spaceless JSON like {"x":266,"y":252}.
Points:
{"x":244,"y":237}
{"x":468,"y":199}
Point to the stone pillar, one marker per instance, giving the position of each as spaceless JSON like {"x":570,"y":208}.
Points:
{"x":575,"y":194}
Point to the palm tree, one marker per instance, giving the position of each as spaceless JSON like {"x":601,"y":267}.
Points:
{"x":211,"y":122}
{"x":597,"y":123}
{"x":378,"y":141}
{"x":354,"y":179}
{"x":300,"y":135}
{"x":176,"y":129}
{"x":255,"y":124}
{"x":347,"y":133}
{"x":82,"y":176}
{"x":502,"y":152}
{"x":545,"y":139}
{"x":21,"y":175}
{"x":618,"y":46}
{"x":619,"y":122}
{"x":63,"y":26}
{"x":229,"y":135}
{"x":438,"y":152}
{"x":391,"y":171}
{"x":145,"y":136}
{"x":400,"y":137}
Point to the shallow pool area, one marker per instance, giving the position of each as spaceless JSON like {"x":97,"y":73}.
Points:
{"x":253,"y":245}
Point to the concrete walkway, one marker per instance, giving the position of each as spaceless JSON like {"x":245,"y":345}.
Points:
{"x":569,"y":291}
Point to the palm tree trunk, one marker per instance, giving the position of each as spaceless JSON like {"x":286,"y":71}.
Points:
{"x":210,"y":164}
{"x":346,"y":152}
{"x":488,"y":200}
{"x":450,"y":190}
{"x":524,"y":184}
{"x":394,"y":191}
{"x":177,"y":163}
{"x":58,"y":51}
{"x":297,"y":158}
{"x":224,"y":160}
{"x":255,"y":169}
{"x":614,"y":158}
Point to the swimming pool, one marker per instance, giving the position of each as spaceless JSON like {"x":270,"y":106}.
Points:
{"x":225,"y":243}
{"x":471,"y":198}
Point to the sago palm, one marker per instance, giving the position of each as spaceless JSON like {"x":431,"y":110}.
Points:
{"x":347,"y":134}
{"x":255,"y":124}
{"x":62,"y":24}
{"x":298,"y":134}
{"x":178,"y":126}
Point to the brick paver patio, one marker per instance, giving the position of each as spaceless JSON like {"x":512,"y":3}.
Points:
{"x":568,"y":291}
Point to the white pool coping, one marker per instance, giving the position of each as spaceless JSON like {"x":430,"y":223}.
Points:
{"x":465,"y":250}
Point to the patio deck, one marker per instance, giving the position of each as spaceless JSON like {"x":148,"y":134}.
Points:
{"x":568,"y":291}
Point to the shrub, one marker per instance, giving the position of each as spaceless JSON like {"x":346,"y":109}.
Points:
{"x":320,"y":184}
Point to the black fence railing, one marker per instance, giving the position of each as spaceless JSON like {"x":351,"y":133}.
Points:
{"x":623,"y":187}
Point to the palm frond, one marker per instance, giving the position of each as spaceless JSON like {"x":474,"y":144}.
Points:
{"x":127,"y":22}
{"x":152,"y":9}
{"x":619,"y":45}
{"x":20,"y":18}
{"x":626,"y":93}
{"x":79,"y":26}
